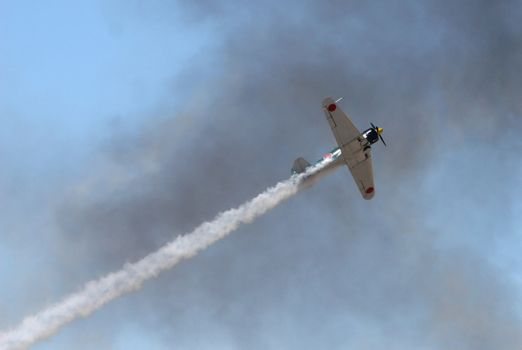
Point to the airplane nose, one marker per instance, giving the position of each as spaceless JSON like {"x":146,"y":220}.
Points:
{"x":380,"y":130}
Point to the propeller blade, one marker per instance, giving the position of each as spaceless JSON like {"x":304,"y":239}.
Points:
{"x":382,"y":140}
{"x":374,"y":127}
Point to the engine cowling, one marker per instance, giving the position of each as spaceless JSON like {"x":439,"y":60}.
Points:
{"x":371,"y":135}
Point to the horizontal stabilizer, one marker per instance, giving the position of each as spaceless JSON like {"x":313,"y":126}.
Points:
{"x":300,"y":165}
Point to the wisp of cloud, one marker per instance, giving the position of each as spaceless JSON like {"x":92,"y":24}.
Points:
{"x":97,"y":293}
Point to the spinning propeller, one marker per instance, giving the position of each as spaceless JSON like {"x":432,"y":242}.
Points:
{"x":379,"y":132}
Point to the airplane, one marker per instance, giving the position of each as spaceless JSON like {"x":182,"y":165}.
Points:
{"x":354,"y":150}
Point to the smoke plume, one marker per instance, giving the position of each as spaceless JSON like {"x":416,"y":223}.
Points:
{"x":98,"y":293}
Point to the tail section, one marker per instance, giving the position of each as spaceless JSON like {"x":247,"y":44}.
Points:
{"x":300,"y":165}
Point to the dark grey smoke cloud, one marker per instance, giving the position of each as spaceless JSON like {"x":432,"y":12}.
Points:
{"x":414,"y":268}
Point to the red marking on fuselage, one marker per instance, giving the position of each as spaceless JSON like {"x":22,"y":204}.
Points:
{"x":332,"y":107}
{"x":328,"y":156}
{"x":369,"y":190}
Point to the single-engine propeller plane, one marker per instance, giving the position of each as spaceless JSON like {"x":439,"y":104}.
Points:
{"x":354,"y":149}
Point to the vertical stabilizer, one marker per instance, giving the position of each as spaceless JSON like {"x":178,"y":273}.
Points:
{"x":300,"y":165}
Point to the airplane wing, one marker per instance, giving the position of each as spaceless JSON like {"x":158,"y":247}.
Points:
{"x":342,"y":127}
{"x":355,"y":151}
{"x":362,"y":173}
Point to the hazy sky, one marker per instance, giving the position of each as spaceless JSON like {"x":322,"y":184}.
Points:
{"x":127,"y":123}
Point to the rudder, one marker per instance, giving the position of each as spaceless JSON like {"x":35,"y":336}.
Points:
{"x":300,"y":165}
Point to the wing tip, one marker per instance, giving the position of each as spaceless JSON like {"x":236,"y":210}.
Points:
{"x":369,"y":193}
{"x":327,"y":101}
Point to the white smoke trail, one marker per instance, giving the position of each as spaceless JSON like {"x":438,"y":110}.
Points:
{"x":97,"y":293}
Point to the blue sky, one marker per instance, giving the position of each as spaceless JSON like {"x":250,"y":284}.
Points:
{"x":126,"y":123}
{"x":53,"y":57}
